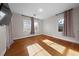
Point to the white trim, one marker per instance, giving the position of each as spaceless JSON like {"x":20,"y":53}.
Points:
{"x":3,"y":52}
{"x":26,"y":36}
{"x":70,"y":39}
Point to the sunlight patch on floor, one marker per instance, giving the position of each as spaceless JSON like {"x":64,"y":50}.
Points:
{"x":72,"y":53}
{"x":58,"y":47}
{"x":61,"y":49}
{"x":37,"y":50}
{"x":48,"y":41}
{"x":55,"y":46}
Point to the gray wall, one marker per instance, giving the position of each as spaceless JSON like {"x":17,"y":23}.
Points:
{"x":50,"y":27}
{"x":17,"y":26}
{"x":3,"y":37}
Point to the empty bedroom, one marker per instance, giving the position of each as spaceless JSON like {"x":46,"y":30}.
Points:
{"x":39,"y":29}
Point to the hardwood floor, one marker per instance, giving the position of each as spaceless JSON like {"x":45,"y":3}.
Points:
{"x":19,"y":47}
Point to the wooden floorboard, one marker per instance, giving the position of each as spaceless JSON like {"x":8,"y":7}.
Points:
{"x":19,"y":47}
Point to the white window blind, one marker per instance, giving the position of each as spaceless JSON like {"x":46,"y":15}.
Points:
{"x":27,"y":26}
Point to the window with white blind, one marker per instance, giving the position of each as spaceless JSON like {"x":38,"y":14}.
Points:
{"x":27,"y":26}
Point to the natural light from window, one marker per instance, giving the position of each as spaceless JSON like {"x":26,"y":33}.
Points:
{"x":2,"y":15}
{"x":60,"y":48}
{"x":36,"y":50}
{"x":55,"y":46}
{"x":27,"y":26}
{"x":36,"y":26}
{"x":60,"y":25}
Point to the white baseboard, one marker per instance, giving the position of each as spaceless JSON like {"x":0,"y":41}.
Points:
{"x":65,"y":38}
{"x":3,"y":52}
{"x":26,"y":36}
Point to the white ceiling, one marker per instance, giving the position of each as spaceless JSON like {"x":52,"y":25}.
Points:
{"x":49,"y":9}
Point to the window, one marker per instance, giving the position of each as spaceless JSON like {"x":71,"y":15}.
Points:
{"x":36,"y":26}
{"x":60,"y":25}
{"x":2,"y":14}
{"x":27,"y":26}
